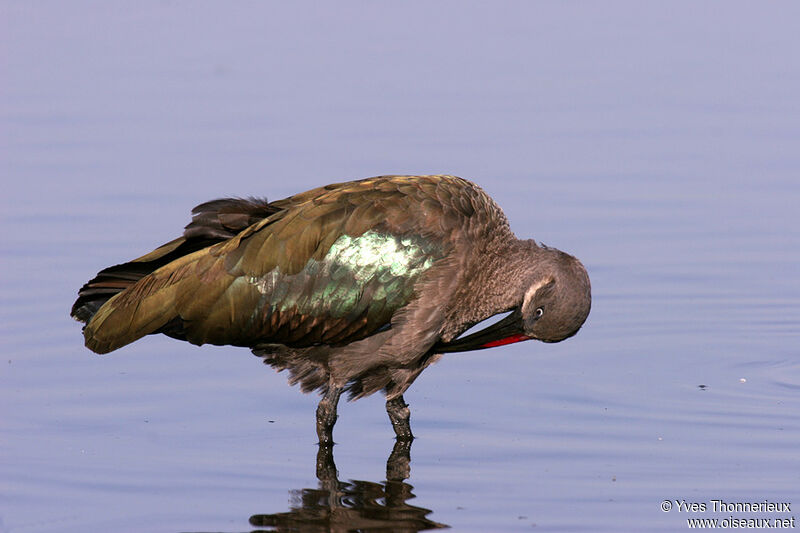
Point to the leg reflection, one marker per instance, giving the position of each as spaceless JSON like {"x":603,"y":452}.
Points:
{"x":398,"y":466}
{"x":353,"y":505}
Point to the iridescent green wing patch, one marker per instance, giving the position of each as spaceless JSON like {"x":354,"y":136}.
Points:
{"x":350,"y":293}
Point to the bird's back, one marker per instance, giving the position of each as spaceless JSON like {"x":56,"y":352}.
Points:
{"x":329,"y":266}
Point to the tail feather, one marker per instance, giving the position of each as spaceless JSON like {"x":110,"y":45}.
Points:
{"x":106,"y":298}
{"x":115,"y":279}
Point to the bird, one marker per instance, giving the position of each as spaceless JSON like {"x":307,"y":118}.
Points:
{"x":354,"y":287}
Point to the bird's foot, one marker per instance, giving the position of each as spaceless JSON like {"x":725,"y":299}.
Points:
{"x":400,"y":416}
{"x":326,"y":416}
{"x":325,"y":422}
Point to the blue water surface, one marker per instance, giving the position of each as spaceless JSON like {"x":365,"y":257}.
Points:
{"x":659,"y":143}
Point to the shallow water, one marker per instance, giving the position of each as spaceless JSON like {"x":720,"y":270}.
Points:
{"x":661,"y":145}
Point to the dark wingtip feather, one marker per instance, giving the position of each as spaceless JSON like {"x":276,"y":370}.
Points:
{"x":103,"y":286}
{"x":213,"y":221}
{"x":84,"y":311}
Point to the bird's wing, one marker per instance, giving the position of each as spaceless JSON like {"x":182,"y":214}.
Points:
{"x":212,"y":222}
{"x":329,"y":266}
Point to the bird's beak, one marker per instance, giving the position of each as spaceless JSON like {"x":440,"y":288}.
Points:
{"x":506,"y":331}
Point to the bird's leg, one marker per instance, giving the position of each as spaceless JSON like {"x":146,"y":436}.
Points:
{"x":326,"y":415}
{"x":400,"y":415}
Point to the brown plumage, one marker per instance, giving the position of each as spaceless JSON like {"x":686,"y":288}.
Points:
{"x":353,"y":286}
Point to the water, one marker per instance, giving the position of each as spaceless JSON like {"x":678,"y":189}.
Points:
{"x":658,"y":143}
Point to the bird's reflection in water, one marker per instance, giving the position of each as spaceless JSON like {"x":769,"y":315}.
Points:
{"x":339,"y":506}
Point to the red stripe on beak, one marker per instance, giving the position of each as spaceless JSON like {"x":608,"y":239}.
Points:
{"x":508,"y":340}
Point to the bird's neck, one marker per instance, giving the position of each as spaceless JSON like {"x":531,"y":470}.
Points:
{"x":510,"y":270}
{"x":496,"y":281}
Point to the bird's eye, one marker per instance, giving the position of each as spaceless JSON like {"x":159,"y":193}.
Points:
{"x":538,"y":313}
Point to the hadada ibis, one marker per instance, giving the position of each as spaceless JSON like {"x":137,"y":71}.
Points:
{"x":355,"y":286}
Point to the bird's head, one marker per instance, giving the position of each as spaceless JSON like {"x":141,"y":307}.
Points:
{"x":554,"y":306}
